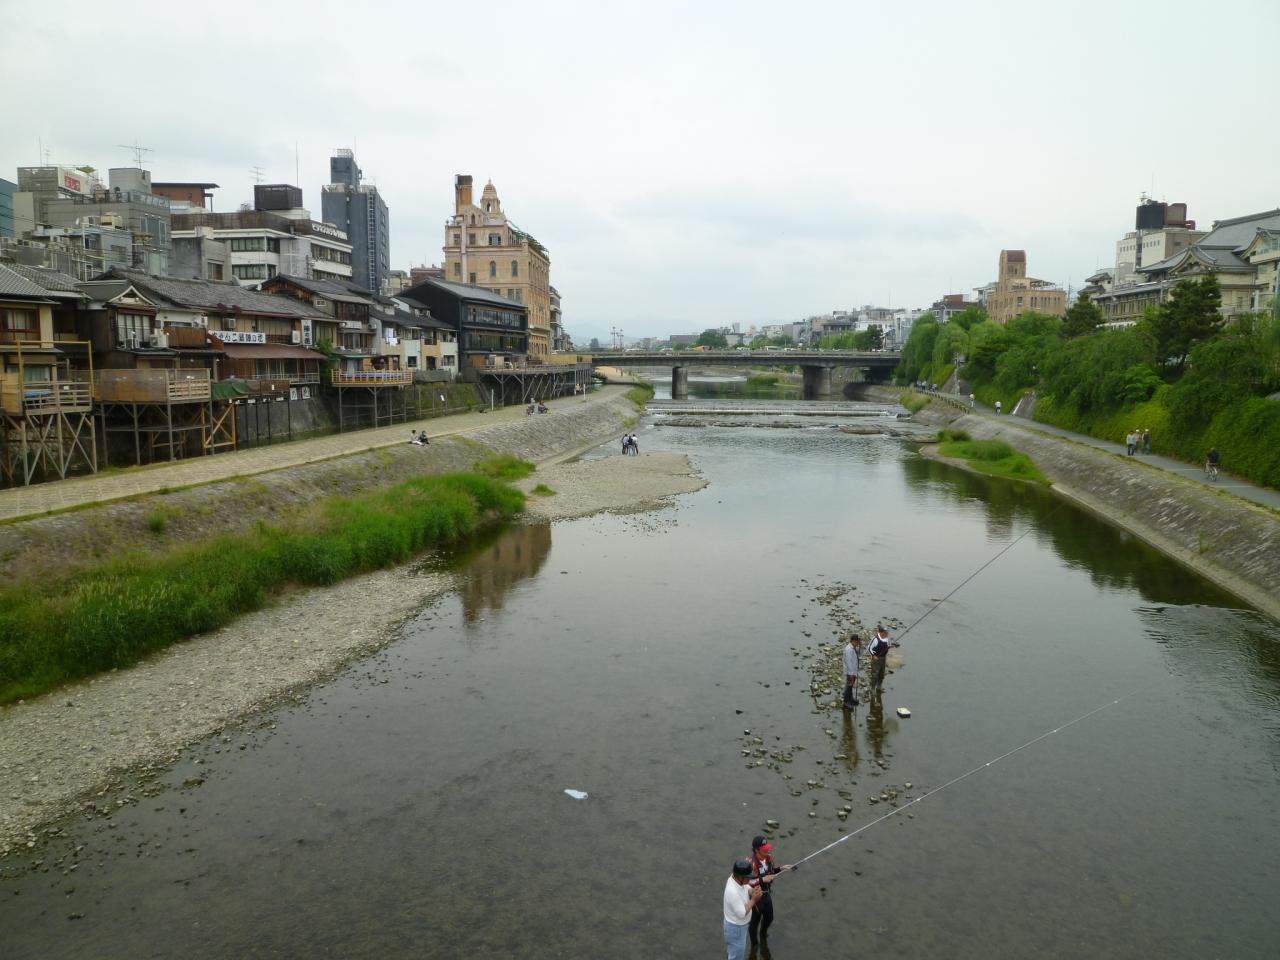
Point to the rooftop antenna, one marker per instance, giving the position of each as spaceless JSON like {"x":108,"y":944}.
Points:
{"x":256,"y":172}
{"x":136,"y":150}
{"x":297,"y":177}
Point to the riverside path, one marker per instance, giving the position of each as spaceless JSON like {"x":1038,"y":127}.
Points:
{"x":21,"y":502}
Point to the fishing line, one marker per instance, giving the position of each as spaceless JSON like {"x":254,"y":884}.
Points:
{"x":978,"y":571}
{"x":964,"y":776}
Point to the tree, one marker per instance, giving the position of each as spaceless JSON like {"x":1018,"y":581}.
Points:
{"x":1190,"y":315}
{"x":871,"y":338}
{"x":1082,"y":317}
{"x":969,"y":317}
{"x":712,"y":339}
{"x":918,"y":350}
{"x":595,"y":343}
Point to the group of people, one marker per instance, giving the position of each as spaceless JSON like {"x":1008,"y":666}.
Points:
{"x":418,"y":439}
{"x":630,"y":445}
{"x":878,"y":656}
{"x":536,"y":407}
{"x":748,"y":898}
{"x":1137,"y":441}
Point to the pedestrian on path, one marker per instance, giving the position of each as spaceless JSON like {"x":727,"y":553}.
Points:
{"x":1146,"y":440}
{"x":1130,"y":442}
{"x":852,"y":647}
{"x":739,"y":900}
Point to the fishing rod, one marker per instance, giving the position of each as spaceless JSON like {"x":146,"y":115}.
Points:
{"x":1007,"y":548}
{"x":964,"y":776}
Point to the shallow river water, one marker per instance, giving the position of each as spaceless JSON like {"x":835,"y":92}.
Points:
{"x":415,"y":807}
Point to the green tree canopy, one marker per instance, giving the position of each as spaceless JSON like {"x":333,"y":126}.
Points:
{"x":1190,"y":315}
{"x":969,"y":317}
{"x":712,"y":339}
{"x":917,"y":352}
{"x":1082,"y":317}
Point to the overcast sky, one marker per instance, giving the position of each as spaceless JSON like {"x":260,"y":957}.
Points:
{"x":687,"y":164}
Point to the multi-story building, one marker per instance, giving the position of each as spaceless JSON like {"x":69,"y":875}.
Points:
{"x":1015,"y":293}
{"x":950,"y":305}
{"x":482,"y":247}
{"x":490,"y":329}
{"x":186,"y":197}
{"x":278,"y":237}
{"x":1160,"y":231}
{"x":1240,"y":252}
{"x":69,"y":199}
{"x":358,"y":210}
{"x":561,"y":342}
{"x":8,"y":226}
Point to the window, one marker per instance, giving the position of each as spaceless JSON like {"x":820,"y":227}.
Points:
{"x":473,"y":278}
{"x":413,"y":361}
{"x":471,"y":239}
{"x":493,"y":268}
{"x":19,"y":325}
{"x":457,"y":269}
{"x":457,"y":239}
{"x":251,"y":244}
{"x":132,"y":327}
{"x":252,"y":271}
{"x":515,"y":268}
{"x":495,"y":239}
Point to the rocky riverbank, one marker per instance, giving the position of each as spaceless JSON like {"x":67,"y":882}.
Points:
{"x":64,"y":751}
{"x":1229,"y":541}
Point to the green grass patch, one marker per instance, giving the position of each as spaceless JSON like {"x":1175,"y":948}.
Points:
{"x":113,"y":614}
{"x":504,"y":466}
{"x":640,"y":394}
{"x":995,"y":458}
{"x":915,"y":402}
{"x":156,"y":521}
{"x":952,"y":435}
{"x":542,"y":490}
{"x":764,"y":379}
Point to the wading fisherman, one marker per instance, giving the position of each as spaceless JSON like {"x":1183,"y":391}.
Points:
{"x":739,"y":899}
{"x":852,"y":648}
{"x":879,"y":651}
{"x":763,"y":870}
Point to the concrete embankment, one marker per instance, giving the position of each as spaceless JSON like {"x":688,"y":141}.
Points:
{"x":1230,"y":541}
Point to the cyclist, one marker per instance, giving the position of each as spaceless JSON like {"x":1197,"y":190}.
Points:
{"x":1212,"y":463}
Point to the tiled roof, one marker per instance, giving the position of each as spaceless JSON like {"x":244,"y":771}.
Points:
{"x":1239,"y":231}
{"x":216,"y":295}
{"x":53,"y":282}
{"x":333,"y":289}
{"x":464,"y":291}
{"x":13,"y":284}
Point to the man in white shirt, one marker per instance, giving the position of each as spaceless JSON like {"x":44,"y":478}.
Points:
{"x":739,"y":900}
{"x":852,"y":648}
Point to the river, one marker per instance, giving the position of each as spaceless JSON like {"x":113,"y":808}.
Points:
{"x":414,"y":806}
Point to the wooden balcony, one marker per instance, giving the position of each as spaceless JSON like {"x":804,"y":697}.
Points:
{"x":25,"y":335}
{"x":151,"y":386}
{"x":34,"y":397}
{"x":372,"y":378}
{"x":187,"y":337}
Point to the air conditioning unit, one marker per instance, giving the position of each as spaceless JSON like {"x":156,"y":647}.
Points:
{"x":112,"y":220}
{"x":160,"y":340}
{"x":295,"y":336}
{"x":373,"y":325}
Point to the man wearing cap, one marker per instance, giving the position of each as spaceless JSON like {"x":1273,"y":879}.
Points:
{"x":879,"y":651}
{"x":739,"y":900}
{"x":763,"y":870}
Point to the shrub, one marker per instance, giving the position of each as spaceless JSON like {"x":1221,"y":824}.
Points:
{"x":156,"y":522}
{"x":542,"y":490}
{"x":504,"y":466}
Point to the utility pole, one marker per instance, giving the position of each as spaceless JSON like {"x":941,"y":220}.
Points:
{"x":136,"y":150}
{"x":256,"y":172}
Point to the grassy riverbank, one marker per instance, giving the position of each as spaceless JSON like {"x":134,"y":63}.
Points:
{"x":994,"y":458}
{"x":116,"y":612}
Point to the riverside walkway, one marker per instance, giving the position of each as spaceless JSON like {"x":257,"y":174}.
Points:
{"x":1264,"y":496}
{"x":20,"y":502}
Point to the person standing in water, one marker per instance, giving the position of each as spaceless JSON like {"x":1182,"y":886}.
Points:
{"x":763,"y":871}
{"x":879,"y":651}
{"x":739,"y":900}
{"x":852,"y":648}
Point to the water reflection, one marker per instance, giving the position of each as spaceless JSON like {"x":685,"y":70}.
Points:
{"x":497,"y":563}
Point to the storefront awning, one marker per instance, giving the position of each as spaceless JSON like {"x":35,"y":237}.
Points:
{"x":269,"y":351}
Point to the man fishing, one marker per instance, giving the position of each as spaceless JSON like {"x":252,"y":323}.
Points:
{"x":763,"y":871}
{"x":739,"y":900}
{"x":879,"y":650}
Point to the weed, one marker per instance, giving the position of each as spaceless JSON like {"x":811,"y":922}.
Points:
{"x":504,"y":466}
{"x":155,"y":522}
{"x":542,"y":490}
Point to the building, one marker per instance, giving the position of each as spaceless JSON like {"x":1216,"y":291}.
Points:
{"x":277,"y":237}
{"x":185,"y":197}
{"x":1015,"y":293}
{"x":950,"y":305}
{"x":490,"y":329}
{"x":360,"y":213}
{"x":8,"y":227}
{"x":482,"y":247}
{"x":56,"y":197}
{"x":1240,"y":253}
{"x":561,"y":342}
{"x":1160,"y":231}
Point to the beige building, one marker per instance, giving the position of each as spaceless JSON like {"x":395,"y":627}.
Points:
{"x":1014,"y":292}
{"x":483,"y":248}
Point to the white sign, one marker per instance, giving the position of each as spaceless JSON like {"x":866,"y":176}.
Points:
{"x":238,"y":336}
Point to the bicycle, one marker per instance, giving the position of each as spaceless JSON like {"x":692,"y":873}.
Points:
{"x":1210,"y":470}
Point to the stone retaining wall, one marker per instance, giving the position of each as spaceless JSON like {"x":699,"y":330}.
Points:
{"x":1230,"y":541}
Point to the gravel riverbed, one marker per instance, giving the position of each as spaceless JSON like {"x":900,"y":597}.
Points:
{"x":60,"y":750}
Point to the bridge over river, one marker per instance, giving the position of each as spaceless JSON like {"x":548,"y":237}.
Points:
{"x":815,"y":365}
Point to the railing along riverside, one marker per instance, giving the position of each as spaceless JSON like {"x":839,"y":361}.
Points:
{"x":43,"y":396}
{"x":372,"y":378}
{"x":151,"y":386}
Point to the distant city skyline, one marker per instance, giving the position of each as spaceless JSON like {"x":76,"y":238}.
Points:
{"x":747,"y":167}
